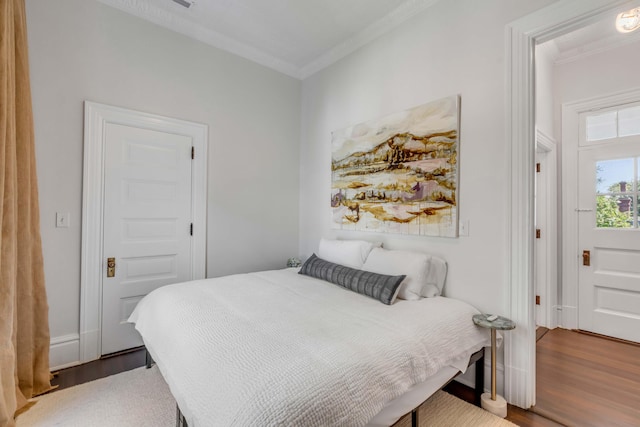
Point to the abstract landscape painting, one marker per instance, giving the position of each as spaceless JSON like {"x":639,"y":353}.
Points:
{"x":399,"y":174}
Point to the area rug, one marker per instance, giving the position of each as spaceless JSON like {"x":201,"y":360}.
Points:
{"x":141,"y":398}
{"x":138,"y":398}
{"x":445,"y":410}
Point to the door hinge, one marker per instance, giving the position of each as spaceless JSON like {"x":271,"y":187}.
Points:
{"x":538,"y":232}
{"x":191,"y":229}
{"x":538,"y":167}
{"x":193,"y":152}
{"x":537,"y":299}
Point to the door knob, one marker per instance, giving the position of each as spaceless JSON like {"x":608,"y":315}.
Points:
{"x":586,"y":257}
{"x":111,"y":267}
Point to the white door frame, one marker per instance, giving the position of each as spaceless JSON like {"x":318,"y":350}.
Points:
{"x":547,"y":145}
{"x":571,"y":130}
{"x":96,"y":116}
{"x":521,"y":36}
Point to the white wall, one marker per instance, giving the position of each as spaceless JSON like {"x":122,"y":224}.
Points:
{"x":83,"y":50}
{"x":596,"y":75}
{"x":546,"y":55}
{"x":454,"y":47}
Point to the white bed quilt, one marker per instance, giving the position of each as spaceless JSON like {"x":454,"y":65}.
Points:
{"x":279,"y":348}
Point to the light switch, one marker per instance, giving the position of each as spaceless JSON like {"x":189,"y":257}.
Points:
{"x":62,"y":219}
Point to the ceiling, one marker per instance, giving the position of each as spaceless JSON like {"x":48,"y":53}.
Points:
{"x":594,"y":38}
{"x":295,"y":37}
{"x":300,"y":37}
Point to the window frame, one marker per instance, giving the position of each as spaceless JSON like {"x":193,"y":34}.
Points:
{"x":585,"y":142}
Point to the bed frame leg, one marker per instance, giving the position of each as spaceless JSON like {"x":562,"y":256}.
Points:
{"x":180,"y":420}
{"x":479,"y":380}
{"x":149,"y":362}
{"x":414,"y":418}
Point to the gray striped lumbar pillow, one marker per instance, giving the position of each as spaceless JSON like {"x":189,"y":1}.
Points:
{"x":378,"y":286}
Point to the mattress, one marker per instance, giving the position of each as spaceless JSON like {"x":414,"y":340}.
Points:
{"x":279,"y":348}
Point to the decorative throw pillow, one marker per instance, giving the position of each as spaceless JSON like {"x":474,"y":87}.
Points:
{"x":379,"y":286}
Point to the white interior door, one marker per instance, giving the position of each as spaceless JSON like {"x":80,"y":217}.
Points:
{"x":147,"y":220}
{"x":609,"y":288}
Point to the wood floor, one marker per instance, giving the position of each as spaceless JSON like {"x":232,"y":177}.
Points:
{"x":582,"y":380}
{"x":586,"y":380}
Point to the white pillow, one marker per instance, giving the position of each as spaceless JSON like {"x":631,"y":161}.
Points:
{"x":425,"y":273}
{"x":351,"y":253}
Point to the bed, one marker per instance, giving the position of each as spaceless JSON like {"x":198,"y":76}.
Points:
{"x":282,"y":348}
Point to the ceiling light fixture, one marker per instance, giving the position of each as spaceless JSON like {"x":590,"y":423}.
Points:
{"x":628,"y":21}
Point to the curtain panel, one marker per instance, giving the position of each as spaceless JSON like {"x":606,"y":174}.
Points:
{"x":24,"y":328}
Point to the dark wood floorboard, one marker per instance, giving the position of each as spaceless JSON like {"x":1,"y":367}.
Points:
{"x":100,"y":368}
{"x":540,"y":332}
{"x":585,"y":380}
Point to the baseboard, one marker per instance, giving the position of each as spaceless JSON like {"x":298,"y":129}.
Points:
{"x":468,"y":378}
{"x":90,"y":345}
{"x":64,"y":352}
{"x":569,"y":317}
{"x":519,"y":391}
{"x":556,"y":317}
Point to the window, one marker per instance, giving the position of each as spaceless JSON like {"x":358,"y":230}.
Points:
{"x":613,"y":124}
{"x":617,"y":193}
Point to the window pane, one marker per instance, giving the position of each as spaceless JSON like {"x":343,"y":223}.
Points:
{"x":614,"y":176}
{"x":614,"y":211}
{"x":601,"y":126}
{"x":629,"y":121}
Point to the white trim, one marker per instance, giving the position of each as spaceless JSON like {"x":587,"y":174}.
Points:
{"x":64,"y":352}
{"x":571,"y":136}
{"x":548,"y":145}
{"x":374,"y":30}
{"x":96,"y":117}
{"x":545,"y":142}
{"x":521,"y":35}
{"x":151,"y":12}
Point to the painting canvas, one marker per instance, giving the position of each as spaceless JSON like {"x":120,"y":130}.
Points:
{"x":399,"y":173}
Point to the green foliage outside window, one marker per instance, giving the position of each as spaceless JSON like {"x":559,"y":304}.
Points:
{"x":608,"y":214}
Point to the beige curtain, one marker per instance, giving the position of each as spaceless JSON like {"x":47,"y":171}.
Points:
{"x":24,"y":328}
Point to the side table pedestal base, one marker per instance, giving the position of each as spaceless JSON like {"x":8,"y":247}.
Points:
{"x":496,"y":407}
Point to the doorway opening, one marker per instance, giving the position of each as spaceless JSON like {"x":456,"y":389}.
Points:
{"x":598,"y":285}
{"x":522,"y":35}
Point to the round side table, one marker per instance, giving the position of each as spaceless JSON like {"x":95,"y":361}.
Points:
{"x":494,"y":403}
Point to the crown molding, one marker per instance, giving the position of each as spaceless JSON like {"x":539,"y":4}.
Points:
{"x":376,"y":29}
{"x":149,"y":12}
{"x":146,"y":10}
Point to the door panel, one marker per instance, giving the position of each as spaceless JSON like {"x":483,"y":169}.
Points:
{"x":147,"y":216}
{"x":609,"y":288}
